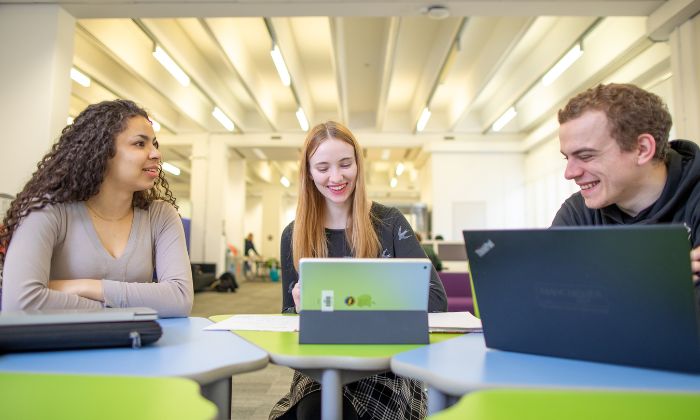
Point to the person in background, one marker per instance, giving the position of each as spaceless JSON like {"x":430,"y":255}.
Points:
{"x":95,"y":220}
{"x":615,"y":140}
{"x":430,"y":253}
{"x":248,"y":247}
{"x":334,"y":218}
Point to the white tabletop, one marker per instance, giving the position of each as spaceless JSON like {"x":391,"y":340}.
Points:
{"x":184,"y":350}
{"x":464,"y":364}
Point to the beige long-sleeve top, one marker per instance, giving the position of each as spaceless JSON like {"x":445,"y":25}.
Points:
{"x":60,"y":242}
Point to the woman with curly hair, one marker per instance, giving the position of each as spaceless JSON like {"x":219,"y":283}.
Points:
{"x":95,"y":220}
{"x":334,"y":218}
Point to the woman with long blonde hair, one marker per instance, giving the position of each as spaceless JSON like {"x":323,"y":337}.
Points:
{"x":334,"y":218}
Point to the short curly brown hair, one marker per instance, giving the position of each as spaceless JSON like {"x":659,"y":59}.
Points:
{"x":74,"y":168}
{"x":631,"y":111}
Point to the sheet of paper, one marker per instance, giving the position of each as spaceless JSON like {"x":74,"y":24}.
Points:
{"x":440,"y":321}
{"x":458,"y":321}
{"x":258,"y":323}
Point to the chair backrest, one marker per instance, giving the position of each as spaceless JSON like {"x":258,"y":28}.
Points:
{"x":451,"y":251}
{"x":459,"y":291}
{"x":456,"y":283}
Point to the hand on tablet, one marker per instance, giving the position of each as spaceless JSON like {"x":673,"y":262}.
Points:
{"x":296,"y":295}
{"x":695,"y":263}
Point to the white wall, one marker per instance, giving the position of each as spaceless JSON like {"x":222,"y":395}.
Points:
{"x":492,"y":179}
{"x":545,"y":185}
{"x":664,"y":89}
{"x":685,"y":63}
{"x":289,"y":210}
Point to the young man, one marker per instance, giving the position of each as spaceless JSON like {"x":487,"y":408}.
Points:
{"x":615,"y":140}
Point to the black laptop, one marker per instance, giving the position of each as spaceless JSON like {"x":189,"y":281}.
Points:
{"x":615,"y":294}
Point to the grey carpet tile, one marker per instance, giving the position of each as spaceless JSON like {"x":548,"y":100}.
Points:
{"x":251,"y":298}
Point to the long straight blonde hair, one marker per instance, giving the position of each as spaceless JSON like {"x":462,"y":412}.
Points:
{"x":309,"y":237}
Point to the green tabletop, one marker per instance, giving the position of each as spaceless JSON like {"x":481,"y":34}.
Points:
{"x":55,"y":396}
{"x":506,"y":404}
{"x":287,"y":344}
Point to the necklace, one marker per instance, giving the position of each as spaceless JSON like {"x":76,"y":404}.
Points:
{"x":107,"y":219}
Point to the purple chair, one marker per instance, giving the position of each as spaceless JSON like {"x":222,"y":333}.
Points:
{"x":458,"y":291}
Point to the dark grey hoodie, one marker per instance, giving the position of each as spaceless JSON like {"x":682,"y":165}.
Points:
{"x":679,"y":201}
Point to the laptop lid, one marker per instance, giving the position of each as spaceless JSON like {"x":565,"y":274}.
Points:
{"x":618,"y":294}
{"x":77,"y":316}
{"x":360,"y":284}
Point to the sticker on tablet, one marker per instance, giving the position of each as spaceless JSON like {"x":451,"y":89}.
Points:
{"x":326,"y":301}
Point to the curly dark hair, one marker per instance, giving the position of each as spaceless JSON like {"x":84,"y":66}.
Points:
{"x":74,"y":168}
{"x":630,"y":110}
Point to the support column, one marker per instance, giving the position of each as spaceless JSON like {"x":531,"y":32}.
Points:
{"x":685,"y":65}
{"x":217,"y":180}
{"x":208,"y":186}
{"x":235,"y":203}
{"x":272,"y":206}
{"x":36,"y":46}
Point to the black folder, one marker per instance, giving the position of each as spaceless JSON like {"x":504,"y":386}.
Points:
{"x":78,"y":329}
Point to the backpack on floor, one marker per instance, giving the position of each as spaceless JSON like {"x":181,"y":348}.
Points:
{"x":227,"y":281}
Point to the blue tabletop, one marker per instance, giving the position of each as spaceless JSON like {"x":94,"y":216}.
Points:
{"x":184,"y":350}
{"x":464,"y":364}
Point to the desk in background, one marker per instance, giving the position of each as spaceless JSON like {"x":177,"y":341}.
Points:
{"x":332,"y":365}
{"x":208,"y":357}
{"x":456,"y":367}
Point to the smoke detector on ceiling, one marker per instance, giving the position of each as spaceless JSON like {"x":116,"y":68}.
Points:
{"x":436,"y":12}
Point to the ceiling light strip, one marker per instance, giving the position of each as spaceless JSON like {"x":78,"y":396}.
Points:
{"x":301,"y":117}
{"x":280,"y":65}
{"x":442,"y":73}
{"x":169,"y":167}
{"x":223,"y":119}
{"x":580,"y":42}
{"x":156,"y":45}
{"x":562,"y":65}
{"x":79,"y":77}
{"x":423,"y":120}
{"x":171,"y":66}
{"x":283,"y":72}
{"x":259,"y":153}
{"x":86,"y":81}
{"x":504,"y":119}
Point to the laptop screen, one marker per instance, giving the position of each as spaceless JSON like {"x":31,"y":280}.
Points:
{"x":357,"y":284}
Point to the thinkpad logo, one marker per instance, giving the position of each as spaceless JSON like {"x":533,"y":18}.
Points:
{"x":485,"y":248}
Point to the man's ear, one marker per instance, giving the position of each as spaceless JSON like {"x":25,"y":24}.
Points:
{"x":646,"y":148}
